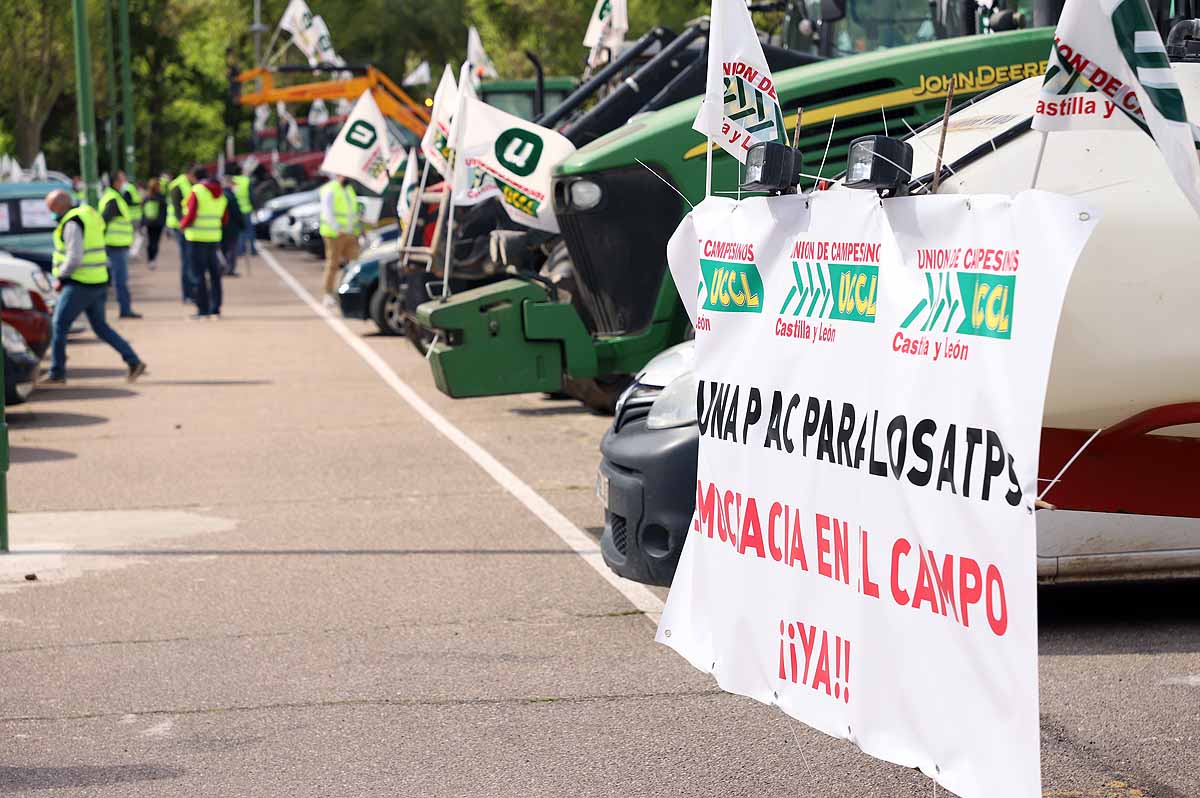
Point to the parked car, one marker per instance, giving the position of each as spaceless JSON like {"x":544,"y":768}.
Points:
{"x":358,"y":293}
{"x":26,"y":224}
{"x":27,"y":312}
{"x":274,"y":208}
{"x":28,"y":274}
{"x":21,"y":366}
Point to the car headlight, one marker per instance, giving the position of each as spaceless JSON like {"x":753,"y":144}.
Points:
{"x":14,"y":342}
{"x":676,"y":405}
{"x":585,"y":195}
{"x":14,"y":297}
{"x":41,"y":281}
{"x":261,"y":216}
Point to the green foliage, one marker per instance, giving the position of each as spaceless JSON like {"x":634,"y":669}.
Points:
{"x":180,"y":67}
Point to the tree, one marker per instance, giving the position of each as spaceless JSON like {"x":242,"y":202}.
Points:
{"x":37,"y":57}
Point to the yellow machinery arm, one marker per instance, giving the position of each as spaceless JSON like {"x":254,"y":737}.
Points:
{"x":393,"y":101}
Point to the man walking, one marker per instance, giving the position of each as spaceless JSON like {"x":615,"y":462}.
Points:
{"x":339,"y":221}
{"x":203,"y":218}
{"x":177,"y":194}
{"x":81,"y":277}
{"x":118,"y":238}
{"x":245,"y":207}
{"x":231,"y":231}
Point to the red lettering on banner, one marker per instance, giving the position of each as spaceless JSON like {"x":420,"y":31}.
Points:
{"x":828,"y":672}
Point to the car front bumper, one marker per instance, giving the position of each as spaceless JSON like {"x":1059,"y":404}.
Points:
{"x":646,"y":518}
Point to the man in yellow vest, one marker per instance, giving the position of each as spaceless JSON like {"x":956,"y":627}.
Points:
{"x":81,"y":276}
{"x":177,"y":194}
{"x":245,"y":202}
{"x":204,"y":215}
{"x":339,"y":223}
{"x":118,"y":238}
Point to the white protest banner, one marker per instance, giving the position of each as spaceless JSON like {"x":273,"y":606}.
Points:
{"x":481,"y":65}
{"x":318,"y":114}
{"x":501,"y":154}
{"x":419,"y":76}
{"x":606,"y":29}
{"x":262,"y":115}
{"x":1108,"y":56}
{"x":361,"y":151}
{"x":435,"y":142}
{"x":740,"y":105}
{"x":870,"y":380}
{"x":408,"y":187}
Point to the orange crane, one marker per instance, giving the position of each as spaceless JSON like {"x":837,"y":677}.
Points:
{"x":393,"y":101}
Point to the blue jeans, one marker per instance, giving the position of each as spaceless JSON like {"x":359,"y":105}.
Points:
{"x":118,"y":270}
{"x":88,"y":299}
{"x":187,"y":282}
{"x":206,"y":272}
{"x":247,"y":236}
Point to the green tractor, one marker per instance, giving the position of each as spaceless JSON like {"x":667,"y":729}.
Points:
{"x":619,"y":199}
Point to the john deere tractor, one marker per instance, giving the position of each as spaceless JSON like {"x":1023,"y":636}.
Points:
{"x":619,"y":198}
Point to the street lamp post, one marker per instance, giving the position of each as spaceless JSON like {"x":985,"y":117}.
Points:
{"x":127,"y":123}
{"x":84,"y":104}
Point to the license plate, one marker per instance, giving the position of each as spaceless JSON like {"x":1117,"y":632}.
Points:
{"x":602,"y":488}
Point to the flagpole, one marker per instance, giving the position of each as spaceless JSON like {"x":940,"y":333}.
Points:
{"x":708,"y":168}
{"x":464,"y":74}
{"x":412,"y":217}
{"x":1037,"y":166}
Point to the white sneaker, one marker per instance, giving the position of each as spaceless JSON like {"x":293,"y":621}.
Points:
{"x":330,"y":302}
{"x":151,"y":265}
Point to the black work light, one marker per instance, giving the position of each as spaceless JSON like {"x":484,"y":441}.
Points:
{"x":878,"y":162}
{"x":771,"y":166}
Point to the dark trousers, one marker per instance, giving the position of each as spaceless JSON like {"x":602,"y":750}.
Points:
{"x":153,"y":234}
{"x":186,"y":280}
{"x":229,"y":248}
{"x":206,"y":276}
{"x":89,"y":300}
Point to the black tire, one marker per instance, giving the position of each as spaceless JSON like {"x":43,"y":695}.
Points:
{"x":15,"y":396}
{"x":387,"y":311}
{"x":600,"y":395}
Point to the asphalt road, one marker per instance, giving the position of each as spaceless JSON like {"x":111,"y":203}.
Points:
{"x":260,"y":571}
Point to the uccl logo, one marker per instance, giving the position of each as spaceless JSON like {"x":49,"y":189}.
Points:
{"x":361,"y":134}
{"x":519,"y":151}
{"x":732,"y":287}
{"x":982,"y":302}
{"x":837,"y":291}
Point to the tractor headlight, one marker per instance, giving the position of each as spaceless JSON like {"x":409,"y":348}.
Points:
{"x":14,"y":342}
{"x":879,"y":163}
{"x":14,"y":297}
{"x":676,"y":405}
{"x":771,"y":166}
{"x":585,"y":195}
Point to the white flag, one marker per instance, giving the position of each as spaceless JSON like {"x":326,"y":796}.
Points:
{"x":503,"y":155}
{"x":435,"y":143}
{"x":290,"y":130}
{"x":296,"y":17}
{"x":262,"y":115}
{"x":249,"y":165}
{"x":323,"y":44}
{"x":419,"y":76}
{"x":362,"y":151}
{"x":1108,"y":56}
{"x":740,"y":105}
{"x":481,"y":65}
{"x":318,"y":114}
{"x":609,"y":23}
{"x":39,"y":166}
{"x":408,"y":188}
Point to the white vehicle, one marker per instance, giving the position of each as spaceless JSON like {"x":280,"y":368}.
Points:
{"x":286,"y":230}
{"x":30,"y":276}
{"x":1126,"y":362}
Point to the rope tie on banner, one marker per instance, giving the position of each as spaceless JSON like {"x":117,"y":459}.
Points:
{"x":829,"y":141}
{"x":668,"y":185}
{"x":1058,"y":477}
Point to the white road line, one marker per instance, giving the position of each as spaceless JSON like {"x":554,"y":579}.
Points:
{"x":579,"y":542}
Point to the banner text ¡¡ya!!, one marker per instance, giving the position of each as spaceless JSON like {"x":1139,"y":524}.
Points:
{"x":870,"y":381}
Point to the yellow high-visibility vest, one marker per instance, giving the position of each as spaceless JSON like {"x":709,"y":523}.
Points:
{"x":209,"y":211}
{"x":94,"y":269}
{"x":184,"y":184}
{"x":241,"y":190}
{"x":135,"y":204}
{"x":344,"y":199}
{"x":118,"y":231}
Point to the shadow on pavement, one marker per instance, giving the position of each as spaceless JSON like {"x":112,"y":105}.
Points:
{"x":1128,"y":618}
{"x":21,"y":780}
{"x":86,"y":372}
{"x":32,"y":454}
{"x":290,"y":552}
{"x":70,"y":392}
{"x":553,"y":410}
{"x":36,"y":419}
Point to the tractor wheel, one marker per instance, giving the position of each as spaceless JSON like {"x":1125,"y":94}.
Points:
{"x":599,"y":395}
